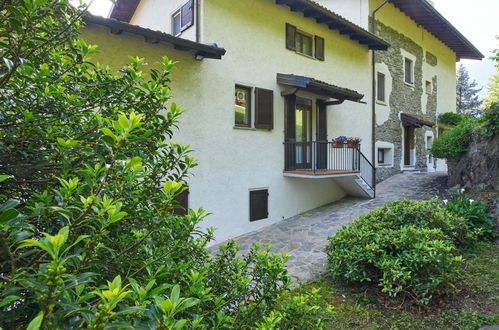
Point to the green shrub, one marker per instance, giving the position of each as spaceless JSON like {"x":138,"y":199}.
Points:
{"x":478,"y":219}
{"x":455,"y":141}
{"x":451,"y":118}
{"x":491,"y":120}
{"x":89,"y":179}
{"x":405,"y":247}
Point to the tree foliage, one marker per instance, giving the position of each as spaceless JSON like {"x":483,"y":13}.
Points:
{"x":467,"y":100}
{"x":493,"y":84}
{"x":89,"y":177}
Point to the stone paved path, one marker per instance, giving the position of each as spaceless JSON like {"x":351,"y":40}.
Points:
{"x":304,"y":237}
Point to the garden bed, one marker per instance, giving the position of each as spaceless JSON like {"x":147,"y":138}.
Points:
{"x":365,"y":307}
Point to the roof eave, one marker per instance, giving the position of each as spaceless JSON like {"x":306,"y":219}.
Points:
{"x":198,"y":49}
{"x":334,"y":21}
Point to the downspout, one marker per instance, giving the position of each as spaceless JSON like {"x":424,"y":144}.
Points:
{"x":198,"y":24}
{"x":373,"y":128}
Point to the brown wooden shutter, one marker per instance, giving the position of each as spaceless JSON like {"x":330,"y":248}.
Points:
{"x":182,"y":200}
{"x":290,"y":36}
{"x":264,"y":108}
{"x":319,"y":48}
{"x":187,"y":13}
{"x":259,"y":204}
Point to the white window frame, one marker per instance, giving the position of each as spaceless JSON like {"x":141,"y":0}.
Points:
{"x":251,"y":87}
{"x":178,"y":12}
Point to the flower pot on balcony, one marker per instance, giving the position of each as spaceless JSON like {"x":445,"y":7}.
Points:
{"x":353,"y":145}
{"x":335,"y":144}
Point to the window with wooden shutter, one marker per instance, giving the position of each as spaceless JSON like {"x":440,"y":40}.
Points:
{"x":187,"y":13}
{"x":259,"y":204}
{"x":319,"y":48}
{"x":290,"y":37}
{"x":264,"y":108}
{"x":182,"y":203}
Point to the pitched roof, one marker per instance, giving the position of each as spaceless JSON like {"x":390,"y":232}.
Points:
{"x":319,"y":87}
{"x":323,"y":15}
{"x":197,"y":49}
{"x":424,"y":14}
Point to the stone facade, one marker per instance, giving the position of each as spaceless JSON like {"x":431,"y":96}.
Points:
{"x":405,"y":98}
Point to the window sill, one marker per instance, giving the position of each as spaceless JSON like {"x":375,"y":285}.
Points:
{"x":244,"y":128}
{"x":409,"y":84}
{"x":384,"y":165}
{"x":381,"y":103}
{"x":307,"y":56}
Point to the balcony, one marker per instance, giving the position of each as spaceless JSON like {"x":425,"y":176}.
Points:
{"x":320,"y":160}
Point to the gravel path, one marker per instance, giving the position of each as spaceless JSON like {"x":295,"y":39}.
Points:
{"x":304,"y":237}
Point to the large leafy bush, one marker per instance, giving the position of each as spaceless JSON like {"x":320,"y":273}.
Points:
{"x":405,"y":247}
{"x":451,"y":118}
{"x":90,"y":174}
{"x":454,"y":141}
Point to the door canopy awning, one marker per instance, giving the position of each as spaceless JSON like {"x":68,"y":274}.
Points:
{"x":409,"y":119}
{"x":319,"y":87}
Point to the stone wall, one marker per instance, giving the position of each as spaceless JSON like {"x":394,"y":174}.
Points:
{"x":405,"y":98}
{"x":478,"y":169}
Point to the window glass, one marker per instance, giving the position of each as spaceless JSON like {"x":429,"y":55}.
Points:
{"x":428,"y":87}
{"x":408,"y":71}
{"x":381,"y":156}
{"x":176,"y":22}
{"x":242,"y":106}
{"x":304,"y":44}
{"x":381,"y":87}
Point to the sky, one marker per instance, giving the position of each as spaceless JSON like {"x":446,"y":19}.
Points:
{"x":476,"y":20}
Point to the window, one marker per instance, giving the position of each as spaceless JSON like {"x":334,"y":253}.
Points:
{"x":304,"y":43}
{"x":259,"y":204}
{"x":428,"y":87}
{"x":242,"y":106}
{"x":183,"y":18}
{"x":176,"y":25}
{"x":408,"y":69}
{"x":385,"y":156}
{"x":381,"y":87}
{"x":381,"y":156}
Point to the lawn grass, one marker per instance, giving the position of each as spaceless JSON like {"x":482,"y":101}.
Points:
{"x":360,"y":307}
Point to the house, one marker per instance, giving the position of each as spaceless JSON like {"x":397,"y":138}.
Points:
{"x":268,"y":83}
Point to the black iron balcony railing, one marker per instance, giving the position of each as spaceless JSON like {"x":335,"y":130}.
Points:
{"x":321,"y":158}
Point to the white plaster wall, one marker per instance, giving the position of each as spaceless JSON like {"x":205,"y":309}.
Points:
{"x":157,"y":15}
{"x":234,"y":161}
{"x":429,"y":72}
{"x":383,"y":108}
{"x":356,"y":11}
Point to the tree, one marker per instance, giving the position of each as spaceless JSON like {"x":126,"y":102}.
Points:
{"x":468,"y":101}
{"x":89,"y":176}
{"x":493,"y":85}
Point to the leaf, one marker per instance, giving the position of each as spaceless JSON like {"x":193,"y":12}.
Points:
{"x":8,"y":215}
{"x":9,"y":63}
{"x":175,"y":295}
{"x":11,"y":203}
{"x":4,"y":177}
{"x":7,"y":300}
{"x":36,"y":322}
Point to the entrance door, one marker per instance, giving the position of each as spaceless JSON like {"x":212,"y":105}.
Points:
{"x":409,"y":143}
{"x":303,"y":133}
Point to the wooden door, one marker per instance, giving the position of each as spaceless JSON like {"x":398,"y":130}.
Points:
{"x":408,"y":144}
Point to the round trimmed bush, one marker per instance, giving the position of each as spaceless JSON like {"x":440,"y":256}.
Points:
{"x":406,"y":247}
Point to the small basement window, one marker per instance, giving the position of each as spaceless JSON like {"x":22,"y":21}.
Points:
{"x":259,"y":204}
{"x":408,"y":71}
{"x":242,"y":106}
